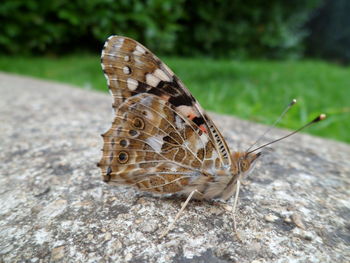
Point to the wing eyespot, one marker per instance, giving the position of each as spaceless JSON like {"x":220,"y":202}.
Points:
{"x":123,"y":157}
{"x":138,"y":123}
{"x":133,"y":133}
{"x":123,"y":143}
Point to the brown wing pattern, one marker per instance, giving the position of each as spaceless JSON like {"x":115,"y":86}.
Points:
{"x":145,"y":148}
{"x":130,"y":69}
{"x":160,"y":139}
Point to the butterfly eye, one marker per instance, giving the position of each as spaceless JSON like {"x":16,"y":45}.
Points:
{"x":123,"y":157}
{"x":138,"y":123}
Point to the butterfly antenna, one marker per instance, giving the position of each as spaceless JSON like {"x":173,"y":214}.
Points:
{"x":319,"y":118}
{"x":274,"y":124}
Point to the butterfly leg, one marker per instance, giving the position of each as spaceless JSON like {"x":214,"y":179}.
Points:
{"x":235,"y":205}
{"x":179,"y":213}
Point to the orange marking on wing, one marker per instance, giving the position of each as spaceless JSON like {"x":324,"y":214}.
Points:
{"x":165,"y":97}
{"x":191,"y":116}
{"x":203,"y":128}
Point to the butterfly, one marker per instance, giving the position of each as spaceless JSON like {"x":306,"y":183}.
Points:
{"x":161,"y":139}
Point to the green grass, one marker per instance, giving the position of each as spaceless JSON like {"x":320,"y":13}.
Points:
{"x":254,"y":90}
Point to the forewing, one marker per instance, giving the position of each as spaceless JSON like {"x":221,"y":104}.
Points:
{"x":132,"y":69}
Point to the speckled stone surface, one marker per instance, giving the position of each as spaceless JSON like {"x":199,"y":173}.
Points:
{"x":295,"y":206}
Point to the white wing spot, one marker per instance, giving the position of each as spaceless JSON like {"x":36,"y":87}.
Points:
{"x":155,"y":142}
{"x":214,"y":155}
{"x":107,"y":78}
{"x":161,"y":75}
{"x":179,"y":123}
{"x":186,"y":110}
{"x":106,"y":43}
{"x":132,"y":84}
{"x":126,"y":70}
{"x":118,"y":44}
{"x":204,"y":138}
{"x":152,"y":80}
{"x":139,"y":51}
{"x":126,"y":58}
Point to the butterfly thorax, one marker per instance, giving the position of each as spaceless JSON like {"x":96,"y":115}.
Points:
{"x":223,"y":182}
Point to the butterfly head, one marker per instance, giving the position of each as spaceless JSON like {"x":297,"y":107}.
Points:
{"x":244,"y":162}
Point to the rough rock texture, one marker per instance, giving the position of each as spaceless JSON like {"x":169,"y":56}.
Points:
{"x":54,"y":207}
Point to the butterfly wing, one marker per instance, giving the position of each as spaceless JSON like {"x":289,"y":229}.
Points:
{"x":145,"y":148}
{"x":178,"y":139}
{"x":130,"y":69}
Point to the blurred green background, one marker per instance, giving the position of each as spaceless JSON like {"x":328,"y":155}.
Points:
{"x":246,"y":58}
